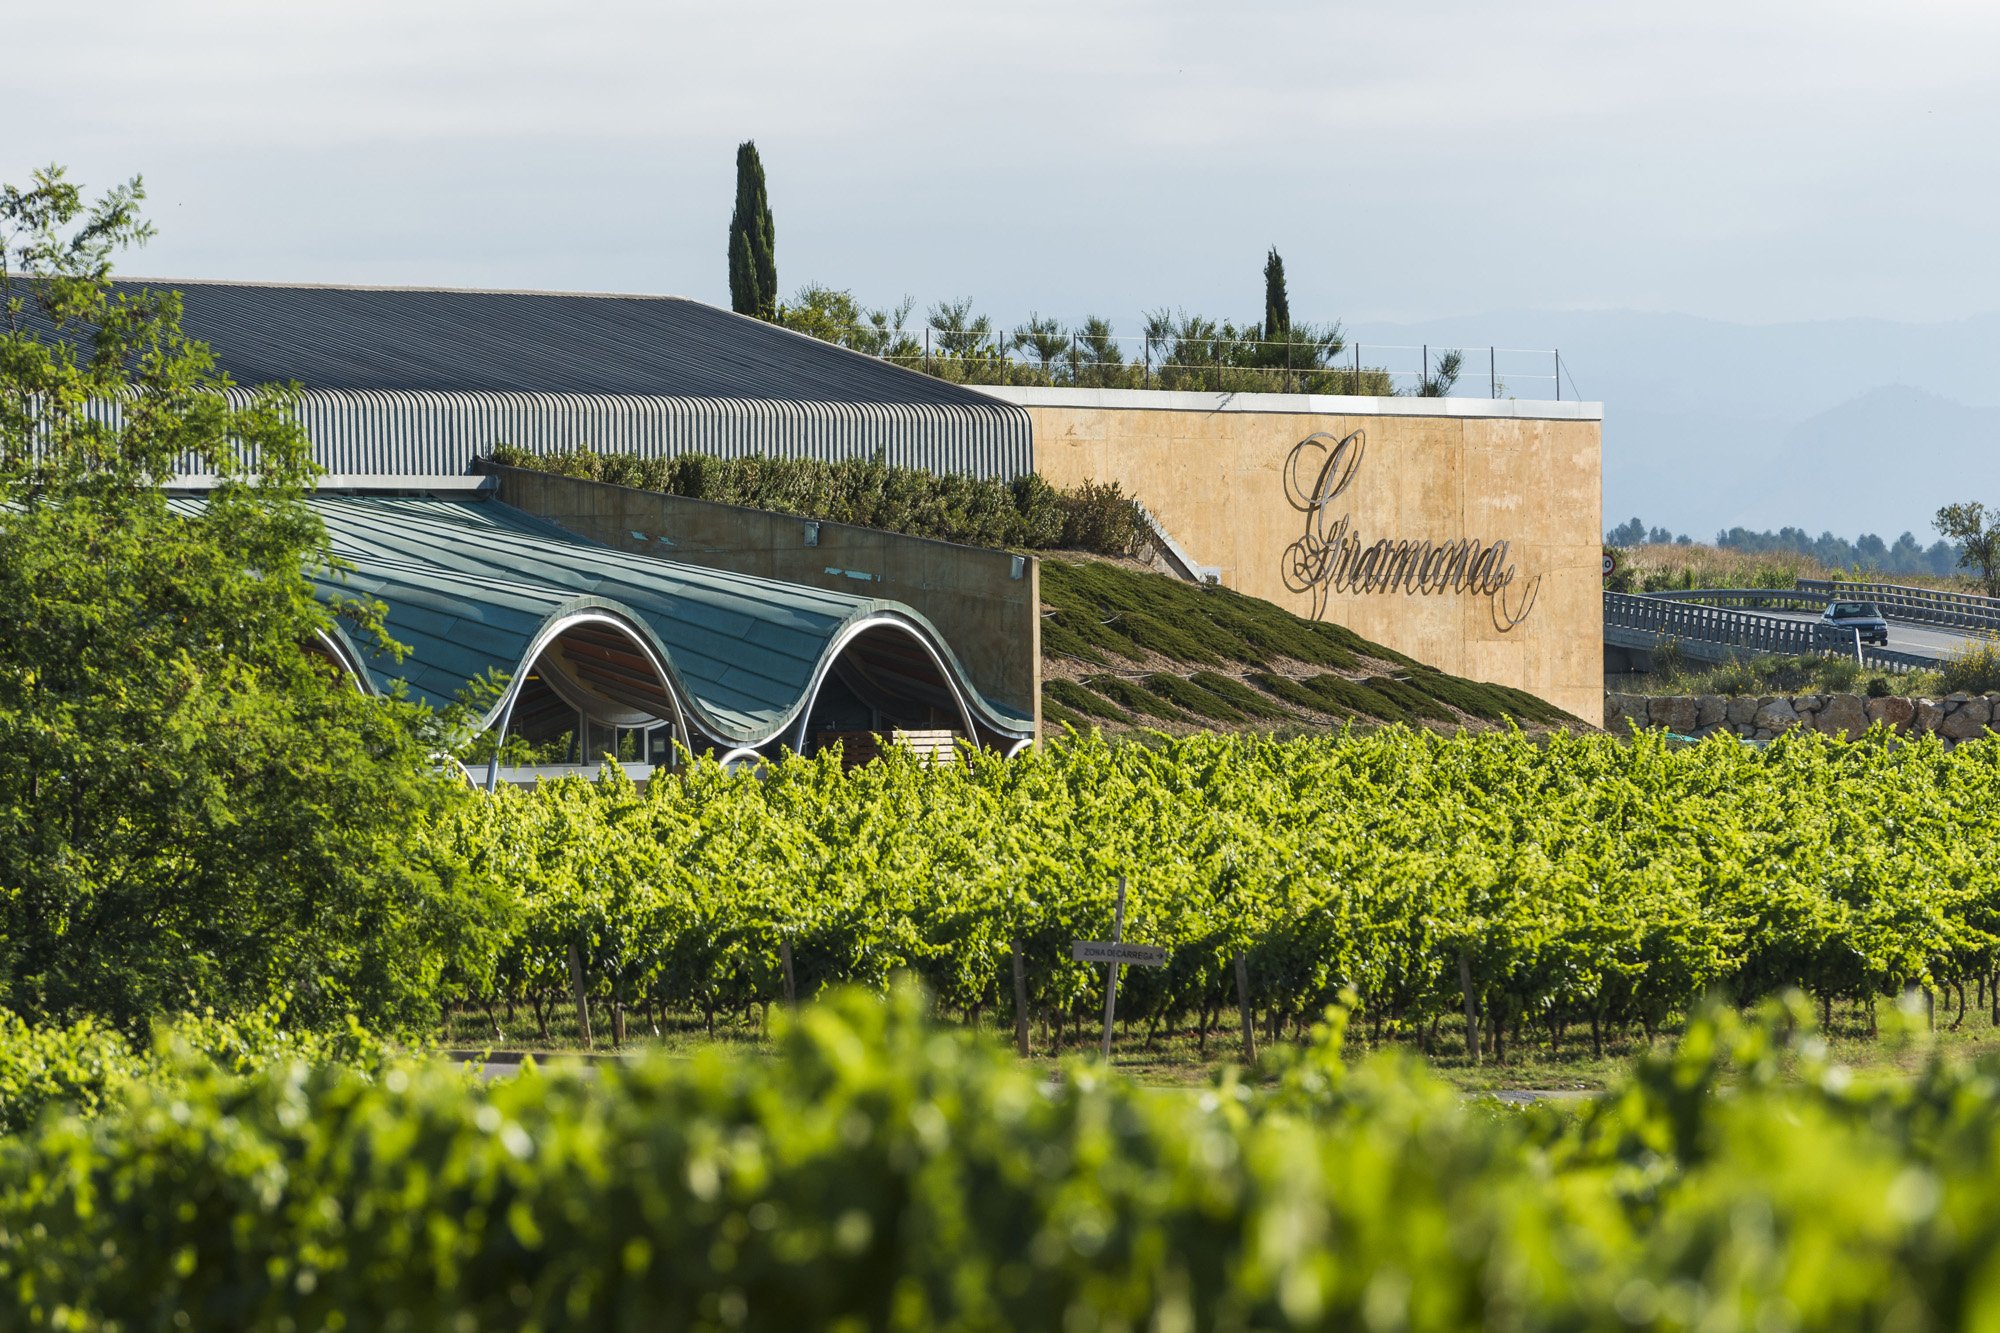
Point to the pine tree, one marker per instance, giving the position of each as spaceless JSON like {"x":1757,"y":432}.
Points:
{"x":1277,"y":310}
{"x":753,"y":262}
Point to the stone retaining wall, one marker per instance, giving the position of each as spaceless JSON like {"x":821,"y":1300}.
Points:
{"x":1955,"y":718}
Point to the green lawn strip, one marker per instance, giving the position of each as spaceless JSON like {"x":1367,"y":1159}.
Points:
{"x":1416,"y":701}
{"x":1055,"y":717}
{"x":1237,"y":695}
{"x":1077,"y":698}
{"x":1354,"y":697}
{"x":1192,"y":697}
{"x":1490,"y":702}
{"x":1295,"y":693}
{"x":1059,"y":640}
{"x":1171,"y":638}
{"x":1133,"y":696}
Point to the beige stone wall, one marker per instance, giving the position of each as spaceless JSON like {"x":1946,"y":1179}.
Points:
{"x":1212,"y":473}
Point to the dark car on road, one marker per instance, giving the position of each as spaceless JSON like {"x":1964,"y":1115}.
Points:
{"x":1840,"y":620}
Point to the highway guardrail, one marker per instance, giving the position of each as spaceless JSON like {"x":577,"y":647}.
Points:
{"x":1718,"y":633}
{"x":1926,"y":606}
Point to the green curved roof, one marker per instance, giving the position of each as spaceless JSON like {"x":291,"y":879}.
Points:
{"x":468,"y":586}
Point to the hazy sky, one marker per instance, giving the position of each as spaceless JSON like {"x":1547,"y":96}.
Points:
{"x":1745,"y":160}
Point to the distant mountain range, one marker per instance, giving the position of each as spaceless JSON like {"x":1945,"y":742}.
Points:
{"x":1853,"y":426}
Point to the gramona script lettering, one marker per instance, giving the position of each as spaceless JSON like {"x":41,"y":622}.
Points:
{"x":1332,"y":557}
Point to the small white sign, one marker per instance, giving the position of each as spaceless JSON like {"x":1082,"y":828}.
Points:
{"x":1104,"y":951}
{"x":1609,"y":565}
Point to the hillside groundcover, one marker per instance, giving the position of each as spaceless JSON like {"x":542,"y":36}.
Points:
{"x":880,"y":1172}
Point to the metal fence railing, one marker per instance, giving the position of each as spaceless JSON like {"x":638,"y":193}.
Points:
{"x":1718,"y":633}
{"x":1926,"y":606}
{"x":1790,"y":599}
{"x":1211,"y":359}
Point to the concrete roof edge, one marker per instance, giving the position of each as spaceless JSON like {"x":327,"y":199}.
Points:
{"x":1319,"y":404}
{"x":169,"y":284}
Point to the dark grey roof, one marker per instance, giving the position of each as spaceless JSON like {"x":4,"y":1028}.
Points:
{"x":474,"y":341}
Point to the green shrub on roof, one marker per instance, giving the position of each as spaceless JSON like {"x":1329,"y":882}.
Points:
{"x":1296,"y":694}
{"x":1025,"y":513}
{"x":1117,"y":609}
{"x":1137,"y":698}
{"x":1187,"y":695}
{"x":1236,"y":694}
{"x":1353,"y":697}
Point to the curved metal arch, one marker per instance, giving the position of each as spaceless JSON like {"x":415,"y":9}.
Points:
{"x":743,"y":754}
{"x":853,"y":631}
{"x":341,"y":649}
{"x":502,"y":712}
{"x":1025,"y":743}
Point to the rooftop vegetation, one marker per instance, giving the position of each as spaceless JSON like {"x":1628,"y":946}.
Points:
{"x":1125,"y":647}
{"x":1026,"y":513}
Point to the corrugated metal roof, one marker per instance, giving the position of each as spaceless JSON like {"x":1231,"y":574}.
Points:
{"x":413,"y":382}
{"x":392,"y":338}
{"x":470,"y":584}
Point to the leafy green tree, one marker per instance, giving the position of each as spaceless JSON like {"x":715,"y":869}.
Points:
{"x":834,"y":315}
{"x":959,"y":332}
{"x":1099,"y":362}
{"x":753,"y":262}
{"x":195,"y":810}
{"x":829,"y":314}
{"x":1975,"y":529}
{"x":1044,"y":340}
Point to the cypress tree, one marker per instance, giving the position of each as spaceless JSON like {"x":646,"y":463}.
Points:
{"x":1277,"y":310}
{"x":753,"y":261}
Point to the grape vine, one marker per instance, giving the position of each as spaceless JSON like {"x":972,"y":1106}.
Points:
{"x":1581,"y":885}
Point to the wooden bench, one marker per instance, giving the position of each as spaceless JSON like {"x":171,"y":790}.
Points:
{"x":858,"y":747}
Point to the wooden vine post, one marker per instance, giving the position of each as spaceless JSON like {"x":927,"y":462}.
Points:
{"x":1243,"y":1006}
{"x":1115,"y":953}
{"x":1471,"y":1009}
{"x":1020,"y":999}
{"x":582,"y":996}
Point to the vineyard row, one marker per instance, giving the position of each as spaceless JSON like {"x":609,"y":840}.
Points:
{"x":1577,"y":884}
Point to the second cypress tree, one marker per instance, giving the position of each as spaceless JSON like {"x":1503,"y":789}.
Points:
{"x":753,"y":262}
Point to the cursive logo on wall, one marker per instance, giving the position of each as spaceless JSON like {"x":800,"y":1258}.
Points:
{"x":1331,"y":557}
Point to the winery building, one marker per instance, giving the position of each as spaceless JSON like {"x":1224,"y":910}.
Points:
{"x":1463,"y":532}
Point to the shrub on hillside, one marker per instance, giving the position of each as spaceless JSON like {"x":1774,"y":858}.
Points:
{"x":1098,"y":516}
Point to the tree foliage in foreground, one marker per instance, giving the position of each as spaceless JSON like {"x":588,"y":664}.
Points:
{"x":1569,"y":887}
{"x":879,"y":1173}
{"x":194,"y":810}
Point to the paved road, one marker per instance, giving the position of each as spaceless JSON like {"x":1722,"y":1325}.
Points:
{"x":1932,"y":640}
